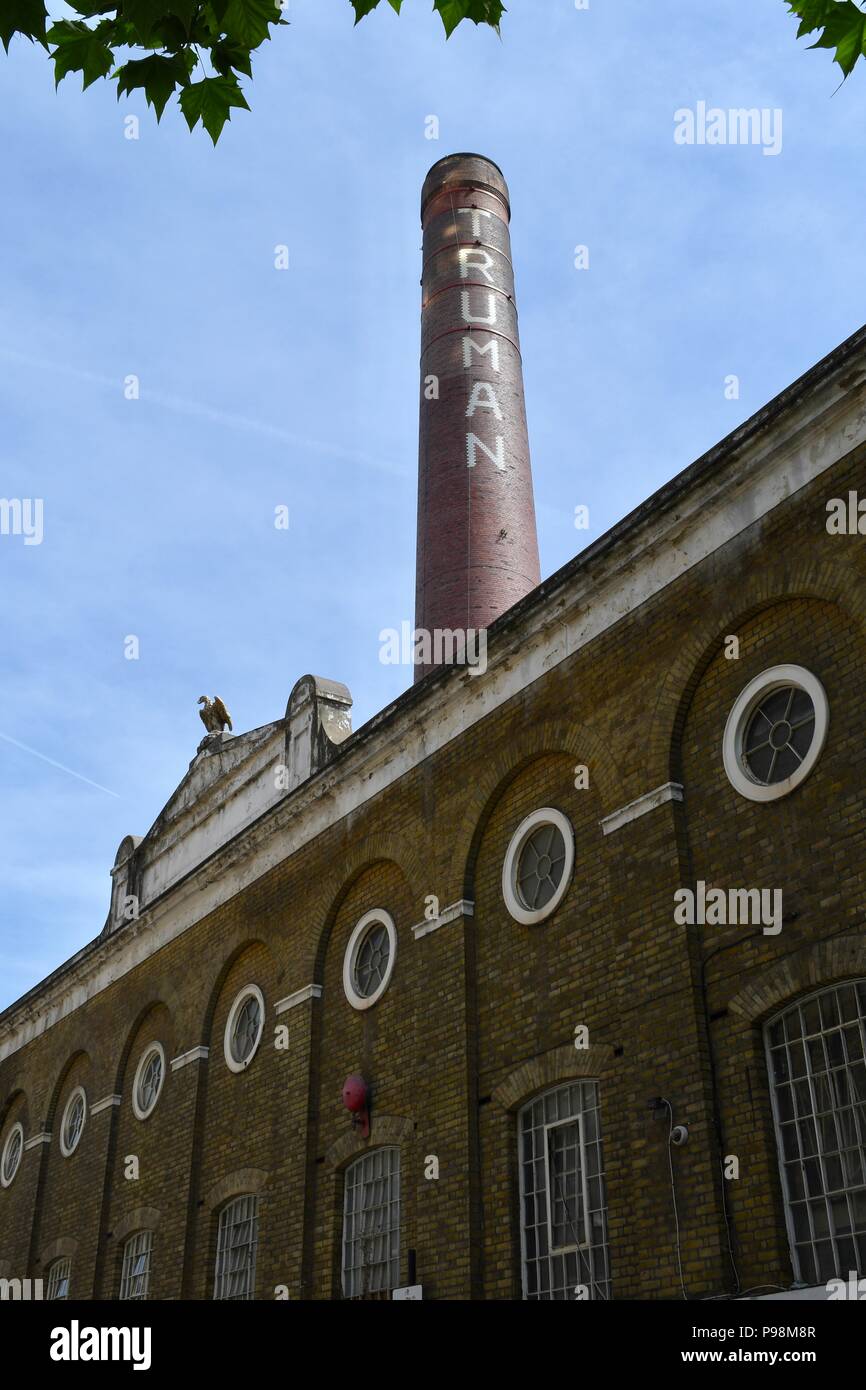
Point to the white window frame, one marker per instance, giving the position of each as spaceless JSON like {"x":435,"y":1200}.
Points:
{"x":546,"y":815}
{"x":151,"y":1050}
{"x":222,"y":1274}
{"x":68,"y":1149}
{"x":58,"y":1272}
{"x":584,"y":1188}
{"x":597,"y":1290}
{"x":758,"y":689}
{"x":17,"y":1129}
{"x":248,"y":991}
{"x":390,"y":1267}
{"x":828,"y":1193}
{"x":136,"y":1247}
{"x":376,"y":916}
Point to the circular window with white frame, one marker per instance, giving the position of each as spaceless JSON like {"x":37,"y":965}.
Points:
{"x":11,"y":1156}
{"x":72,"y":1124}
{"x":369,"y":960}
{"x":244,"y":1027}
{"x":775,"y":732}
{"x":538,"y":866}
{"x":149,"y":1076}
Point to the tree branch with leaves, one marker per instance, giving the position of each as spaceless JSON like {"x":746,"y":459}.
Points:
{"x":200,"y":49}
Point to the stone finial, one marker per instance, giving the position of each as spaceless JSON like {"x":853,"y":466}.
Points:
{"x":317,"y":722}
{"x":124,"y":899}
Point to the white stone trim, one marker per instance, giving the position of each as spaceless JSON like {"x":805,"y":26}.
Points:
{"x":463,"y":908}
{"x":148,"y":1052}
{"x":669,"y":791}
{"x":375,"y":915}
{"x":742,"y":710}
{"x":545,"y":815}
{"x":300,"y":996}
{"x":248,"y":992}
{"x":195,"y":1054}
{"x":104,"y":1104}
{"x":43,"y":1138}
{"x":753,"y":475}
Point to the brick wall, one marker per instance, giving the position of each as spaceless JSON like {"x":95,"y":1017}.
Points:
{"x":480,"y":1014}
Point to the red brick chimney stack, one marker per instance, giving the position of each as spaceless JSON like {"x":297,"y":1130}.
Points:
{"x":477,"y":544}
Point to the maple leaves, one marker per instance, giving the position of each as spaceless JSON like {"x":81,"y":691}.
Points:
{"x":199,"y":49}
{"x":842,"y":25}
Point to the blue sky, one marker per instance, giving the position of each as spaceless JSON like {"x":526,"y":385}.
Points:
{"x":259,"y":387}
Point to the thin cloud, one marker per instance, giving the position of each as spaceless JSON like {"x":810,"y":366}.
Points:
{"x":201,"y":411}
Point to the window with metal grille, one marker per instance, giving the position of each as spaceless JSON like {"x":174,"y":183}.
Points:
{"x":136,"y":1266}
{"x":815,"y":1053}
{"x":563,"y":1206}
{"x":371,"y":964}
{"x":371,"y":1225}
{"x":236,"y":1249}
{"x":149,"y":1077}
{"x":72,"y":1123}
{"x":779,"y":734}
{"x":58,"y":1279}
{"x":12,"y":1151}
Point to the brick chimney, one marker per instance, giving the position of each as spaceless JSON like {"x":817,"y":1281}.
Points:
{"x":477,"y":545}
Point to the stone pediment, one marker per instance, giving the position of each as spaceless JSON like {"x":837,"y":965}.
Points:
{"x":231,"y":781}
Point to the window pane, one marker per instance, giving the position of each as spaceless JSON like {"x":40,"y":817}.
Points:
{"x":821,"y":1132}
{"x":563,"y":1207}
{"x":136,"y":1266}
{"x":371,"y":1225}
{"x":236,"y":1250}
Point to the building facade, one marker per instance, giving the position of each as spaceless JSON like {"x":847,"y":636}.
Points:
{"x":585,"y":927}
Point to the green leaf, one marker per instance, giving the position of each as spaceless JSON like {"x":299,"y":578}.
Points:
{"x":210,"y":101}
{"x":812,"y":13}
{"x":184,"y":10}
{"x":363,"y":8}
{"x":79,"y":50}
{"x":25,"y":17}
{"x":452,"y":12}
{"x":158,"y":75}
{"x":226,"y":56}
{"x":144,"y":16}
{"x":89,"y":8}
{"x":247,"y":22}
{"x":844,"y":30}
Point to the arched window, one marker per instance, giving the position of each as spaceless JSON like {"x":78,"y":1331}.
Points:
{"x":815,"y":1052}
{"x":136,"y":1266}
{"x":563,"y":1206}
{"x":237,"y":1238}
{"x":58,"y":1278}
{"x":371,"y":1225}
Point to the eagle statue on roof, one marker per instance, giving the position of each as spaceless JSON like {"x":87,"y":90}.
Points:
{"x":214,"y":714}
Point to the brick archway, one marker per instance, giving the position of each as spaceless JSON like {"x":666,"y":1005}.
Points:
{"x":551,"y":1069}
{"x":827,"y":582}
{"x":810,"y":968}
{"x":544,"y":740}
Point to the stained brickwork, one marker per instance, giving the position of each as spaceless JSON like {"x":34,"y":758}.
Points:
{"x":480,"y":1013}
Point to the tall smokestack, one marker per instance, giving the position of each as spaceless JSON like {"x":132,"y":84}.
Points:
{"x":477,"y":544}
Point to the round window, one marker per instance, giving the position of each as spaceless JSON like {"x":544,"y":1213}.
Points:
{"x":12,"y":1151}
{"x":244,"y":1028}
{"x":73,"y":1122}
{"x":775,"y":733}
{"x":538,"y":866}
{"x":149,"y":1077}
{"x":369,"y":959}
